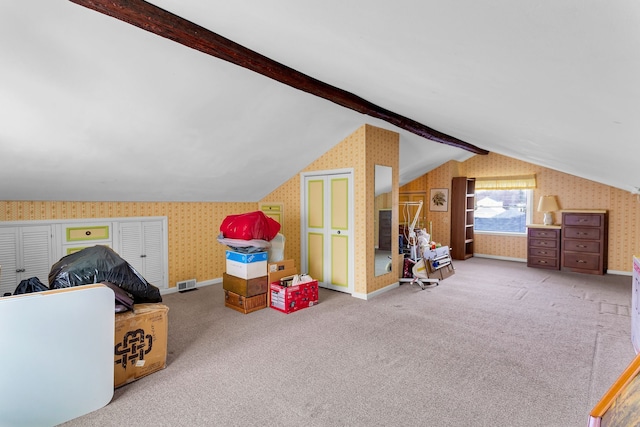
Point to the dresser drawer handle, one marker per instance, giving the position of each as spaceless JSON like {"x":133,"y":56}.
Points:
{"x":543,"y":252}
{"x":581,"y":261}
{"x":542,"y":262}
{"x":88,"y":232}
{"x":581,"y":246}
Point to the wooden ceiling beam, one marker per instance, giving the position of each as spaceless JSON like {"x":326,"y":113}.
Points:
{"x":166,"y":24}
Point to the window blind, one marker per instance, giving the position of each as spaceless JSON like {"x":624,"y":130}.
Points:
{"x":521,"y":182}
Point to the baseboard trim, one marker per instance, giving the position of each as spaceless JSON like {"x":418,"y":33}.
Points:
{"x":620,"y":273}
{"x":210,"y":282}
{"x":375,"y":293}
{"x":503,"y":258}
{"x":386,"y":288}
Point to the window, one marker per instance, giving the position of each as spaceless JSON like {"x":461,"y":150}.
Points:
{"x":503,"y":205}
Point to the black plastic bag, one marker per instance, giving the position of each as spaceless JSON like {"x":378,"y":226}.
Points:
{"x":99,"y":264}
{"x":27,"y":286}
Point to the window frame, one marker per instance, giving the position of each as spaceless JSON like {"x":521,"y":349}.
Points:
{"x":528,"y":214}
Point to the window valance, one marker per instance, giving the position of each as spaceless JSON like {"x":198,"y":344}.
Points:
{"x":521,"y":182}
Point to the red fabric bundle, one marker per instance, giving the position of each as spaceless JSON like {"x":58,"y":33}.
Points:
{"x":248,"y":226}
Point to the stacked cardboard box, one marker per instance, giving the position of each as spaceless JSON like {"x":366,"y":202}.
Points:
{"x":245,"y":282}
{"x":140,"y":342}
{"x":246,"y":266}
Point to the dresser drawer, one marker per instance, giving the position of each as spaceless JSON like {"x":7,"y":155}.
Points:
{"x":545,"y":233}
{"x":582,"y":220}
{"x":87,"y":233}
{"x":543,"y":252}
{"x":541,"y":243}
{"x":584,"y":261}
{"x":534,"y":261}
{"x":582,"y":246}
{"x":582,"y":233}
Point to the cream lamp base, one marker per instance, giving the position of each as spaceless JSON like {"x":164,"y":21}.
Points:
{"x":548,"y":218}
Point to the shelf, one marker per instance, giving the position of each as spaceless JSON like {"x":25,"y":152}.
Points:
{"x":462,"y":217}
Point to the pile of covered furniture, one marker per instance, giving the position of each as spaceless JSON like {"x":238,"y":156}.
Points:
{"x":141,"y":323}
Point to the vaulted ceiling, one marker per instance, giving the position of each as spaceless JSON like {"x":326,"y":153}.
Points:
{"x":93,"y":108}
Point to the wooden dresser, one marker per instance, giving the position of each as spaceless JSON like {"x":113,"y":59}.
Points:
{"x":585,"y":241}
{"x":543,"y":246}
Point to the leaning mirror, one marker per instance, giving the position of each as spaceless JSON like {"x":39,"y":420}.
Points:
{"x":383,"y":206}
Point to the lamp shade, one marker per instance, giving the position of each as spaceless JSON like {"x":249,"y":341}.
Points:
{"x":548,"y":204}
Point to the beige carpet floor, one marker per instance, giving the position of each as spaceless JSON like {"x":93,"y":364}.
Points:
{"x":496,"y":344}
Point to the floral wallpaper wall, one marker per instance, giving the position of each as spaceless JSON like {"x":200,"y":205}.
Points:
{"x":572,"y":193}
{"x":360,"y":150}
{"x":193,"y":228}
{"x":349,"y":153}
{"x":383,"y":148}
{"x":438,"y":222}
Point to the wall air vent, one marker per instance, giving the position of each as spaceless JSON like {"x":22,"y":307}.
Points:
{"x":186,"y":285}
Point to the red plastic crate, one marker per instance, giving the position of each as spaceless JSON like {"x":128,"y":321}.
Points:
{"x":293,"y":298}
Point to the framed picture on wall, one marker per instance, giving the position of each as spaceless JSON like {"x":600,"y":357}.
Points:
{"x":439,"y":200}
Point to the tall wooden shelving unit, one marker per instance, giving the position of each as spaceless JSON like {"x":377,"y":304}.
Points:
{"x":462,"y":206}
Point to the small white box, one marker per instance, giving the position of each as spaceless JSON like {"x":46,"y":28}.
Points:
{"x":247,"y":270}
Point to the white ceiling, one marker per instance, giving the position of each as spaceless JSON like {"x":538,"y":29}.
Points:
{"x":93,"y":109}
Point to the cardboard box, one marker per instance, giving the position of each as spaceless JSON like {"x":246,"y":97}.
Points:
{"x":442,"y":258}
{"x":286,"y":264}
{"x":247,"y":271}
{"x":275,"y":277}
{"x":246,"y":258}
{"x":245,"y":287}
{"x":246,"y":266}
{"x":293,"y":298}
{"x":277,"y":271}
{"x":244,"y":304}
{"x":140,"y":342}
{"x":446,"y":271}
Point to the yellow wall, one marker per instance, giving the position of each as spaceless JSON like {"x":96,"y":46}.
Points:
{"x":572,"y":193}
{"x":383,"y":148}
{"x":349,"y":153}
{"x":361,"y":151}
{"x":193,"y":228}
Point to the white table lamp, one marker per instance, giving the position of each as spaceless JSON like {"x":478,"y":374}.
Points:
{"x":548,"y":204}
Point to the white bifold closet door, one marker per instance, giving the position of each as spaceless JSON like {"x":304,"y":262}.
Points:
{"x":327,"y":229}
